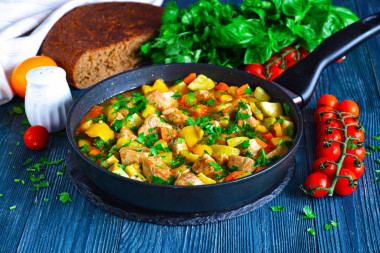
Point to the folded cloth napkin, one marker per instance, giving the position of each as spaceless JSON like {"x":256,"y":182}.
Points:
{"x":20,"y":17}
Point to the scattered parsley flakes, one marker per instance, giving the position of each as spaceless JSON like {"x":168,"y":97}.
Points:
{"x":277,"y":208}
{"x":17,"y":109}
{"x":328,"y":227}
{"x":374,"y":148}
{"x":25,"y":122}
{"x":46,"y":200}
{"x":367,"y":153}
{"x":36,"y":187}
{"x":1,"y":195}
{"x":10,"y":153}
{"x":309,"y":214}
{"x":334,"y":224}
{"x":311,"y":231}
{"x":17,"y":180}
{"x":286,"y":109}
{"x":27,"y":162}
{"x":18,"y":143}
{"x":12,"y":207}
{"x":64,"y":197}
{"x":376,"y":137}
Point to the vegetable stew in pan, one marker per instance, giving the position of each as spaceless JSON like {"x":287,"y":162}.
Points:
{"x":194,"y":132}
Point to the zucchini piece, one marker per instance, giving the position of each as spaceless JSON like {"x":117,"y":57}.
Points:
{"x":134,"y":121}
{"x":261,"y":95}
{"x":189,"y":156}
{"x":258,"y":114}
{"x":224,"y":150}
{"x":233,"y":142}
{"x":287,"y":128}
{"x":180,"y":87}
{"x":276,"y":140}
{"x":202,"y":82}
{"x":268,"y":122}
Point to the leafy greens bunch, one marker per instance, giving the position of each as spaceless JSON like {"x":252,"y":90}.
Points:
{"x":224,"y":34}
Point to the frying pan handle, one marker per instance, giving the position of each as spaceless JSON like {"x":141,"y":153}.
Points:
{"x":302,"y":77}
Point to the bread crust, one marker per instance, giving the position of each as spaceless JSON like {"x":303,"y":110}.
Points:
{"x":95,"y":41}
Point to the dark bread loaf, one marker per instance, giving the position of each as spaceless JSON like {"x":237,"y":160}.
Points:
{"x":95,"y":41}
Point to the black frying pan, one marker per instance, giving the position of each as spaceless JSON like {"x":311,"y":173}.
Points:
{"x":294,"y":87}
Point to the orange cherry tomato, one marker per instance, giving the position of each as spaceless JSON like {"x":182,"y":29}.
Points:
{"x":18,"y":78}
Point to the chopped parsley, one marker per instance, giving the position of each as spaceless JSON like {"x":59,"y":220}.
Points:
{"x":36,"y":187}
{"x":286,"y":109}
{"x":309,"y":214}
{"x":311,"y":231}
{"x":376,"y":137}
{"x":374,"y":148}
{"x":46,"y":200}
{"x":12,"y":207}
{"x":244,"y":144}
{"x":159,"y":180}
{"x":64,"y":197}
{"x":277,"y":208}
{"x":176,"y":95}
{"x":210,"y":102}
{"x":216,"y":166}
{"x":17,"y":109}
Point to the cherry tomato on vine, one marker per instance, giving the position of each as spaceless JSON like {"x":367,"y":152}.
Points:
{"x":321,"y":127}
{"x":343,"y":185}
{"x":332,"y":151}
{"x":358,"y":151}
{"x":322,"y":114}
{"x":274,"y":72}
{"x":328,"y":168}
{"x":303,"y":52}
{"x":317,"y":180}
{"x":36,"y":137}
{"x":335,"y":135}
{"x":328,"y":100}
{"x":290,"y":63}
{"x":358,"y":171}
{"x":350,"y":107}
{"x":291,"y":55}
{"x":273,"y":61}
{"x":351,"y":161}
{"x":352,"y":131}
{"x":255,"y":69}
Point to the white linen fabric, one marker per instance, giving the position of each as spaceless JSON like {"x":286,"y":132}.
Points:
{"x":18,"y":17}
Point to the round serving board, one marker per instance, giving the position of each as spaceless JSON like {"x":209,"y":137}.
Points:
{"x":122,"y":209}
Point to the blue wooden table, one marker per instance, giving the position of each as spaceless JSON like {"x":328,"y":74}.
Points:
{"x":39,"y":225}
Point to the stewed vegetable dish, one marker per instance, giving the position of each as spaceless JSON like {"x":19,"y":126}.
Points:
{"x":193,"y":132}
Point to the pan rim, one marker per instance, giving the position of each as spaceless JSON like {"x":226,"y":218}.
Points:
{"x":272,"y":166}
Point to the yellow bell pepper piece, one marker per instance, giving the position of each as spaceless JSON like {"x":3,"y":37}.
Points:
{"x":192,"y":134}
{"x":225,"y":98}
{"x":85,"y":126}
{"x":258,"y":114}
{"x":134,"y":171}
{"x":121,"y":142}
{"x":120,"y":172}
{"x":166,"y":157}
{"x":206,"y":179}
{"x":84,"y":142}
{"x":101,"y":130}
{"x":224,"y":150}
{"x":180,"y":87}
{"x":162,"y":142}
{"x":260,"y":94}
{"x":233,"y":142}
{"x":276,"y":140}
{"x":243,"y":175}
{"x":149,"y":109}
{"x":201,"y":149}
{"x":277,"y":129}
{"x":261,"y":129}
{"x":189,"y":156}
{"x":158,"y":85}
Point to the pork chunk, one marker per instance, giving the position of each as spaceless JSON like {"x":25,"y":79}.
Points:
{"x":203,"y":95}
{"x":152,"y":121}
{"x":251,"y":121}
{"x":203,"y":165}
{"x":126,"y":133}
{"x":188,"y":179}
{"x":253,"y":148}
{"x":153,"y":166}
{"x":130,"y":156}
{"x":221,"y":159}
{"x":163,"y":100}
{"x":176,"y":146}
{"x":241,"y":163}
{"x":175,"y":116}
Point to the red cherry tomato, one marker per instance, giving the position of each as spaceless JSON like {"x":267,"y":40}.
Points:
{"x":290,"y":63}
{"x":321,"y":127}
{"x":322,"y":114}
{"x":317,"y":180}
{"x":36,"y":137}
{"x":350,"y":107}
{"x":350,"y":161}
{"x":255,"y":69}
{"x":274,"y":72}
{"x":274,"y":61}
{"x":352,"y":131}
{"x":332,"y":152}
{"x":343,"y":186}
{"x":291,"y":55}
{"x":303,"y":52}
{"x":328,"y":100}
{"x":358,"y":171}
{"x":335,"y":135}
{"x":324,"y":165}
{"x":358,"y":151}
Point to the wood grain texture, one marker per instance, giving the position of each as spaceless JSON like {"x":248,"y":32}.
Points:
{"x":36,"y":226}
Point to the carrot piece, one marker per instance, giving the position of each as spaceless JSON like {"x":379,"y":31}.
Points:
{"x":93,"y":152}
{"x":199,"y":111}
{"x":240,"y":91}
{"x":268,"y":136}
{"x":221,"y":142}
{"x":185,"y":101}
{"x":234,"y":175}
{"x":227,"y":110}
{"x":262,"y":144}
{"x":190,"y":78}
{"x":95,"y":112}
{"x":222,"y":86}
{"x":260,"y":168}
{"x":168,"y":134}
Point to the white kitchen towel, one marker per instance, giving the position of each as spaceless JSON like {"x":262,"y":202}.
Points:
{"x":21,"y":16}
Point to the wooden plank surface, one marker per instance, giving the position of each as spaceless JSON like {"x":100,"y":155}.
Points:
{"x":36,"y":226}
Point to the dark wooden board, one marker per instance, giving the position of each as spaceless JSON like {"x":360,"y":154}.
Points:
{"x":36,"y":226}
